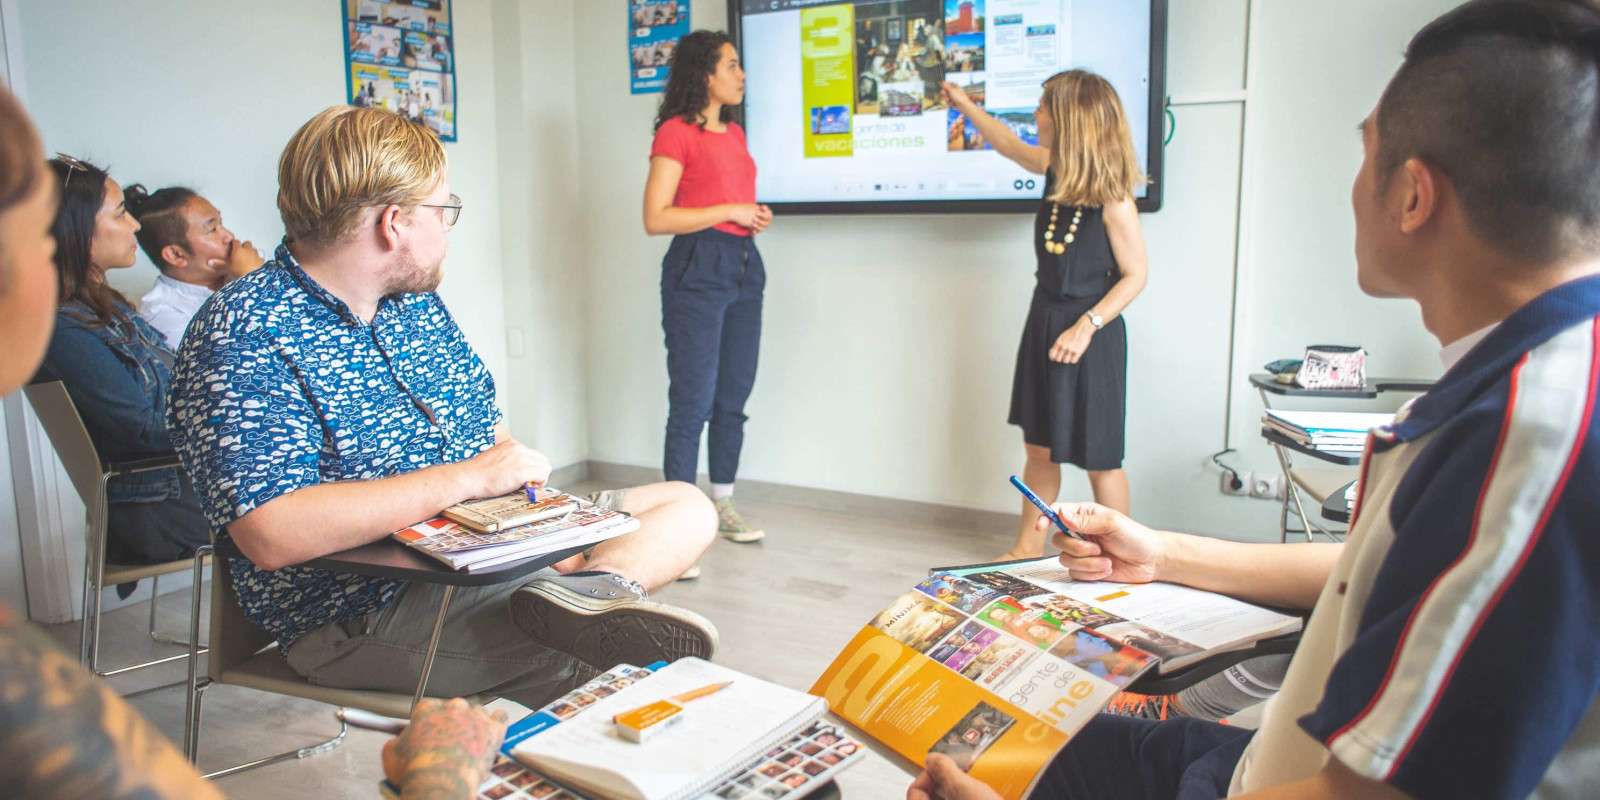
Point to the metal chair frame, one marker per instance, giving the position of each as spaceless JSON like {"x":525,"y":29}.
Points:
{"x":252,"y":662}
{"x":70,"y":438}
{"x":221,"y":595}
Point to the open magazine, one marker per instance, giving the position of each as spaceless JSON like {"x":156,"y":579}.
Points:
{"x":794,"y":769}
{"x":998,"y":666}
{"x":469,"y":550}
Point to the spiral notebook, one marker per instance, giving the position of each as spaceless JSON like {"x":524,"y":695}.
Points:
{"x":721,"y":734}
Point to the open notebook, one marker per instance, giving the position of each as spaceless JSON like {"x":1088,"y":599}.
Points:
{"x":721,"y":734}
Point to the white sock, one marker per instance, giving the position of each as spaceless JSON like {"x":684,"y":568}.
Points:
{"x":721,"y":490}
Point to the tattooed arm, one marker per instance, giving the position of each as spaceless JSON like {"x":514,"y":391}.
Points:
{"x":64,"y":734}
{"x":446,"y":751}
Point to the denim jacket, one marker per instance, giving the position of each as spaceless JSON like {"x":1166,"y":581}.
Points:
{"x":118,"y":376}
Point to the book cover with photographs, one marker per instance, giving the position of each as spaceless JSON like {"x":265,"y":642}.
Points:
{"x":997,"y":666}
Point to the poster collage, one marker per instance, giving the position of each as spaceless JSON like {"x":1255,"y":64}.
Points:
{"x":399,"y":56}
{"x":654,"y":28}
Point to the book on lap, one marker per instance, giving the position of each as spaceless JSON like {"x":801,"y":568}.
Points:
{"x":997,"y":666}
{"x":582,"y":523}
{"x":494,"y":514}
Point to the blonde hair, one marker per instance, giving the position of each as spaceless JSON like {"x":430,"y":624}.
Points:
{"x":1092,"y":157}
{"x":347,"y":160}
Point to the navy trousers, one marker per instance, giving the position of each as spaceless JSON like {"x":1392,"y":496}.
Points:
{"x":711,"y":287}
{"x":1126,"y":758}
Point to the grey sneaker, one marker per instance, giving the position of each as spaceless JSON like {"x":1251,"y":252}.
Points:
{"x":732,"y":526}
{"x":605,"y":619}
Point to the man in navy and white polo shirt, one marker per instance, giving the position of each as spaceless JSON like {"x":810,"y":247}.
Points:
{"x":1454,"y":647}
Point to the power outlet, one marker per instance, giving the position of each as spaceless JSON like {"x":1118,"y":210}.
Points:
{"x":1243,"y":489}
{"x":1266,"y":486}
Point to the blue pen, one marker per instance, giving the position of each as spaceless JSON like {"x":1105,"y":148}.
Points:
{"x":1044,"y":508}
{"x":533,"y":492}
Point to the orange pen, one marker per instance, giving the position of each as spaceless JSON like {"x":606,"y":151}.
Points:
{"x":696,"y":694}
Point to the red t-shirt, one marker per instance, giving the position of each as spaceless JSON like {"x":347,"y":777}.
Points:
{"x":717,"y":167}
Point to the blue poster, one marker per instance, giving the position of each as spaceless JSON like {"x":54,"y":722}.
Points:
{"x":654,"y":28}
{"x":400,"y":55}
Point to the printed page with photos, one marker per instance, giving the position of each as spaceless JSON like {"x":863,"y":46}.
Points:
{"x":998,"y":666}
{"x":1176,"y":624}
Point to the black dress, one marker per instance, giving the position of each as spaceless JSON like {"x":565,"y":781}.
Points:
{"x":1076,"y":410}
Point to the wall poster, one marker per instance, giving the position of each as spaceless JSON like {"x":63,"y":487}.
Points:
{"x":654,"y":28}
{"x":400,"y":56}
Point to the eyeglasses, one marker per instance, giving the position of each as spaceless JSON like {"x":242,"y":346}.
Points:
{"x":451,"y":213}
{"x":73,"y":165}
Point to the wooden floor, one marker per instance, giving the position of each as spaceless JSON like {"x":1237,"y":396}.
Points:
{"x":784,"y":606}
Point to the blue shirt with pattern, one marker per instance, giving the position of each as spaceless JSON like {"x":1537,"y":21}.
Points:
{"x":279,"y":387}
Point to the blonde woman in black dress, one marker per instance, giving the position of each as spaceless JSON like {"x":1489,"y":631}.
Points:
{"x":1070,"y":390}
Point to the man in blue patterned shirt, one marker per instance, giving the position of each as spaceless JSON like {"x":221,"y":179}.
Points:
{"x":328,"y":399}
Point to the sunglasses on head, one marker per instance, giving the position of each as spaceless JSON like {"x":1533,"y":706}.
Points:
{"x":73,"y":164}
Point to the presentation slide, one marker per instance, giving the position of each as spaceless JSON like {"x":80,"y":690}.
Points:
{"x":843,"y":105}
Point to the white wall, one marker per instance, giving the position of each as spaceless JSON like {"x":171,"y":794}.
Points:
{"x":162,"y":92}
{"x":889,"y":341}
{"x":545,"y":305}
{"x":167,"y":91}
{"x":1323,"y":67}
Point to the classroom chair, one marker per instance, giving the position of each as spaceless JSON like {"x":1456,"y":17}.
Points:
{"x":89,"y":475}
{"x":245,"y":655}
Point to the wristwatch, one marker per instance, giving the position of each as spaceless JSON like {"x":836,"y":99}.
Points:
{"x":1094,"y":319}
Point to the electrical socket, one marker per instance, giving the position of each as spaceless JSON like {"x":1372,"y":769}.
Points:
{"x":1245,"y":480}
{"x":1266,"y":486}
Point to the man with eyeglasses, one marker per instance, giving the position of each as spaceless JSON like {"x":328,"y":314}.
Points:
{"x":328,"y":399}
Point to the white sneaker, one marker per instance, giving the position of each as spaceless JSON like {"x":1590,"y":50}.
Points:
{"x":733,"y":527}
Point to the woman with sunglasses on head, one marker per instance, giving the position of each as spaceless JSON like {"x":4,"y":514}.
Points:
{"x":117,"y":368}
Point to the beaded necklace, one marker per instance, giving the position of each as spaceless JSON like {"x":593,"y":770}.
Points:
{"x":1061,"y":247}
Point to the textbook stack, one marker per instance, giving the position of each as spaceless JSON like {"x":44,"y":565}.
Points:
{"x":1343,"y":432}
{"x":562,"y":522}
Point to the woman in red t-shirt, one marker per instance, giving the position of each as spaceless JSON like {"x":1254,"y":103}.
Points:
{"x":702,"y":189}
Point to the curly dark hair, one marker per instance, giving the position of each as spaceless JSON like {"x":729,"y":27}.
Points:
{"x":693,"y":63}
